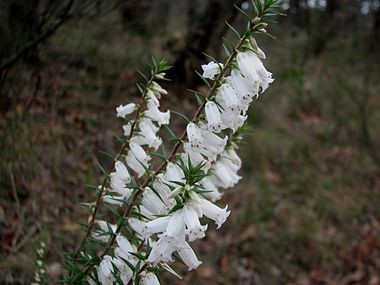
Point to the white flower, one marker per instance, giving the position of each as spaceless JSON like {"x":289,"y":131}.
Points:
{"x":225,"y":173}
{"x":147,"y":135}
{"x":194,"y":228}
{"x":138,"y":226}
{"x":154,"y":203}
{"x":149,"y":279}
{"x":103,"y":233}
{"x":252,"y":68}
{"x":188,"y":256}
{"x":173,"y":173}
{"x":213,"y":212}
{"x":127,"y":129}
{"x":137,"y":159}
{"x":176,"y":225}
{"x":125,"y":110}
{"x":105,"y":271}
{"x":213,"y":141}
{"x":152,"y":99}
{"x":228,"y":99}
{"x":212,"y":191}
{"x":157,"y":225}
{"x":233,"y":120}
{"x":244,"y":89}
{"x":211,"y":69}
{"x":124,"y":244}
{"x":157,"y":89}
{"x":162,"y":250}
{"x":214,"y":121}
{"x":162,"y":118}
{"x":194,"y":135}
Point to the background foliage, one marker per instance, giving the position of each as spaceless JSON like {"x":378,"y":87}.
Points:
{"x":307,"y":209}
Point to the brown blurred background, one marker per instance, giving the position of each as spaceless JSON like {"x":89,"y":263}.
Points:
{"x":307,"y":210}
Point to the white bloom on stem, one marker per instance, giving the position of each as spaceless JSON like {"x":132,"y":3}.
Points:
{"x":211,"y":69}
{"x":188,"y":256}
{"x":147,"y":135}
{"x":211,"y":191}
{"x":162,"y":118}
{"x":155,"y":204}
{"x":127,"y":129}
{"x":233,"y":120}
{"x":138,"y":226}
{"x":213,"y":212}
{"x":213,"y":141}
{"x":176,"y":225}
{"x":157,"y":225}
{"x":103,"y":233}
{"x":124,"y":110}
{"x":125,"y":245}
{"x":214,"y":121}
{"x":152,"y":99}
{"x":243,"y":88}
{"x":195,"y":157}
{"x":194,"y":228}
{"x":105,"y":271}
{"x":194,"y":135}
{"x":162,"y":250}
{"x":137,"y":159}
{"x":157,"y":89}
{"x":226,"y":174}
{"x":173,"y":173}
{"x":252,"y":68}
{"x":149,"y":278}
{"x":227,"y":98}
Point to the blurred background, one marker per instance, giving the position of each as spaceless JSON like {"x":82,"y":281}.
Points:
{"x":307,"y":210}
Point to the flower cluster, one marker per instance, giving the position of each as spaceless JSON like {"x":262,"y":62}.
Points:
{"x":171,"y":206}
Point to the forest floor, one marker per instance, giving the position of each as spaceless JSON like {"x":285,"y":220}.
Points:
{"x":306,"y":211}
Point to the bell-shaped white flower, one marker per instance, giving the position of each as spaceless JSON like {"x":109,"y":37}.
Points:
{"x":173,"y":173}
{"x":124,"y":244}
{"x":157,"y":89}
{"x":105,"y":271}
{"x":152,"y":99}
{"x":253,"y":68}
{"x":147,"y":135}
{"x":211,"y":191}
{"x":124,"y":110}
{"x":211,"y":69}
{"x":233,"y":156}
{"x":148,"y":278}
{"x":160,"y":187}
{"x":214,"y":120}
{"x":188,"y":256}
{"x":162,"y":118}
{"x":176,"y":225}
{"x":154,"y":203}
{"x":103,"y":233}
{"x":233,"y":120}
{"x":194,"y":228}
{"x":195,"y":157}
{"x":157,"y":225}
{"x":243,"y":88}
{"x":226,"y":175}
{"x":194,"y":135}
{"x":213,"y":212}
{"x":137,"y":159}
{"x":213,"y":141}
{"x":163,"y":249}
{"x":227,"y":98}
{"x":127,"y":129}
